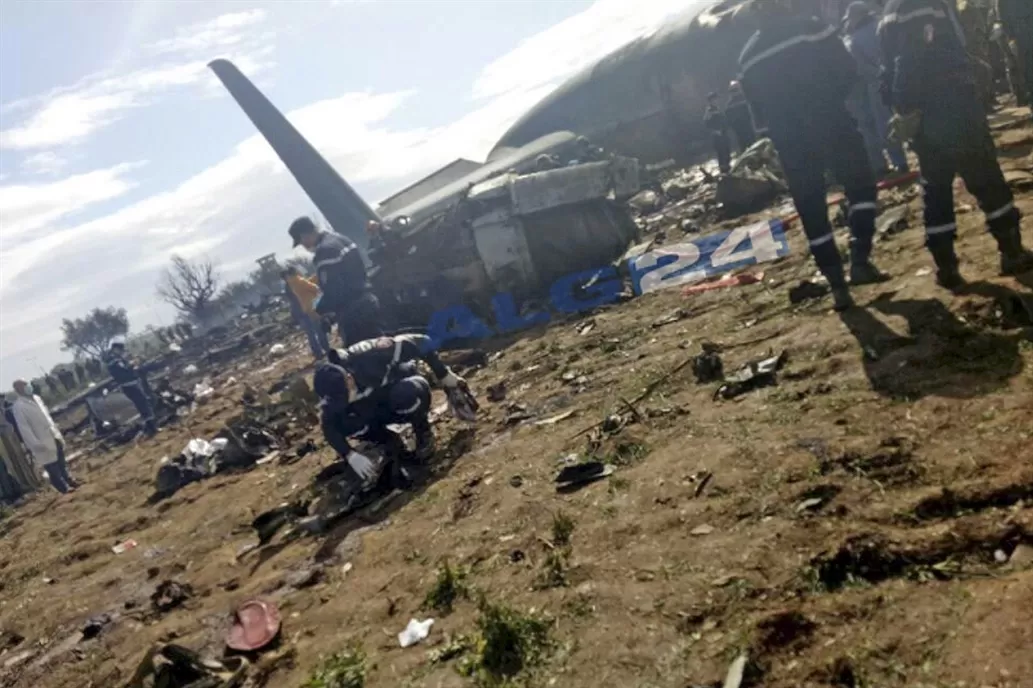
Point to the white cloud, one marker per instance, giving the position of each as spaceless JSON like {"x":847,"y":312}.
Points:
{"x":28,"y":207}
{"x":43,"y":163}
{"x":69,"y":116}
{"x":561,"y":50}
{"x":222,"y":32}
{"x":239,"y":208}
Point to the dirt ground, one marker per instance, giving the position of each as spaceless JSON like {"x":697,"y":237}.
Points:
{"x":863,"y":522}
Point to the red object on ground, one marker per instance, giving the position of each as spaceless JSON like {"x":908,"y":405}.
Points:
{"x":256,"y":623}
{"x":726,"y":281}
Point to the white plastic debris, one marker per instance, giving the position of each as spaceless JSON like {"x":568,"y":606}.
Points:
{"x":415,"y":632}
{"x":175,"y":347}
{"x":203,"y":391}
{"x":277,"y":349}
{"x":190,"y":369}
{"x":199,"y":448}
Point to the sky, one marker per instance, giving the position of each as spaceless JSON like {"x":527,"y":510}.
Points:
{"x":120,"y":149}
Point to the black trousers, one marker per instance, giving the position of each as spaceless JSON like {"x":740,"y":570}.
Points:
{"x":834,"y":145}
{"x":723,"y":148}
{"x":360,"y":320}
{"x":955,"y":143}
{"x":135,"y":393}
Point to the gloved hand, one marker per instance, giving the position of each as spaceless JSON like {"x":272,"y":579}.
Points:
{"x":904,"y":127}
{"x":461,"y":400}
{"x":362,"y":466}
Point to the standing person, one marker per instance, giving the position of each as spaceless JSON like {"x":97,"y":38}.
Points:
{"x":931,"y":83}
{"x":123,"y":371}
{"x":797,"y":75}
{"x":737,"y":114}
{"x":865,"y":102}
{"x":301,"y":293}
{"x":714,"y":120}
{"x":346,"y":292}
{"x":1017,"y":18}
{"x":41,"y":436}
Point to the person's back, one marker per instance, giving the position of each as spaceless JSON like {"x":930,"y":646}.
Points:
{"x":796,"y":72}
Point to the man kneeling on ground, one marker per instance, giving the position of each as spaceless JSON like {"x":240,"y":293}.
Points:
{"x":375,"y":383}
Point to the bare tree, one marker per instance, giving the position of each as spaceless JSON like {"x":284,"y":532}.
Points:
{"x":190,"y":287}
{"x":91,"y":335}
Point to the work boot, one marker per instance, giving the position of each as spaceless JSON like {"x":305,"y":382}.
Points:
{"x":947,"y":274}
{"x":425,"y":444}
{"x":1015,"y":259}
{"x":866,"y":273}
{"x":841,"y":298}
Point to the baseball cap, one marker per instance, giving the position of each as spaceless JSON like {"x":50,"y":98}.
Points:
{"x":300,"y":227}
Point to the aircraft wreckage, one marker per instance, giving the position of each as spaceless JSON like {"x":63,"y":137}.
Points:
{"x":514,"y":225}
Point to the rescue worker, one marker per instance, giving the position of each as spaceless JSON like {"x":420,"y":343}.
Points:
{"x":375,"y":383}
{"x":714,"y":120}
{"x":346,"y":292}
{"x":123,"y":371}
{"x":972,"y":16}
{"x":931,"y":84}
{"x":1006,"y":65}
{"x":1016,"y":16}
{"x":797,"y":75}
{"x":737,"y":114}
{"x":865,"y":101}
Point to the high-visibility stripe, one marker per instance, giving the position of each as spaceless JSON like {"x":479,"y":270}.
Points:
{"x":786,"y":44}
{"x":821,"y":241}
{"x":867,"y":205}
{"x":334,"y":261}
{"x":903,"y":18}
{"x":411,"y":408}
{"x":940,"y":229}
{"x":1000,"y":212}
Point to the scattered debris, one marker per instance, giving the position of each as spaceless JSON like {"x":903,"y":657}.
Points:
{"x":1021,"y":558}
{"x":724,"y":282}
{"x":672,"y":317}
{"x":96,"y":625}
{"x":891,"y":222}
{"x":736,"y":672}
{"x":753,"y":375}
{"x":304,"y":578}
{"x":497,"y":392}
{"x":124,"y":547}
{"x":415,"y":632}
{"x":174,"y":666}
{"x":586,"y":327}
{"x":708,"y":366}
{"x":572,"y":478}
{"x":704,"y":529}
{"x":552,"y":420}
{"x":256,"y":624}
{"x":170,"y":594}
{"x":702,"y":480}
{"x":278,"y":349}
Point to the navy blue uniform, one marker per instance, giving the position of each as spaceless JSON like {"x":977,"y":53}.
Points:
{"x":928,"y":70}
{"x":124,"y":373}
{"x":797,"y":74}
{"x":714,"y":120}
{"x":346,"y":289}
{"x":388,"y":389}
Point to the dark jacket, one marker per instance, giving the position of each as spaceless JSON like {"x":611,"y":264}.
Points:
{"x":340,"y":271}
{"x":923,"y":52}
{"x":120,"y":368}
{"x":795,"y":74}
{"x":375,"y":365}
{"x":1016,"y":16}
{"x":714,"y":120}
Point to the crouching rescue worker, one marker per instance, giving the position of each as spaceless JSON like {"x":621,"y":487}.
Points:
{"x":375,"y":383}
{"x":346,"y":291}
{"x":127,"y":377}
{"x":931,"y":84}
{"x":797,"y":74}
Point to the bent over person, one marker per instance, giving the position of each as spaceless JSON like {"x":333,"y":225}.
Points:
{"x":376,"y":383}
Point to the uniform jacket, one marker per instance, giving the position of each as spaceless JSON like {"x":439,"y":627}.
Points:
{"x":375,"y":365}
{"x":714,"y":120}
{"x":795,"y":73}
{"x":863,"y":45}
{"x":39,"y":433}
{"x":923,"y":50}
{"x":121,"y":368}
{"x":340,"y":271}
